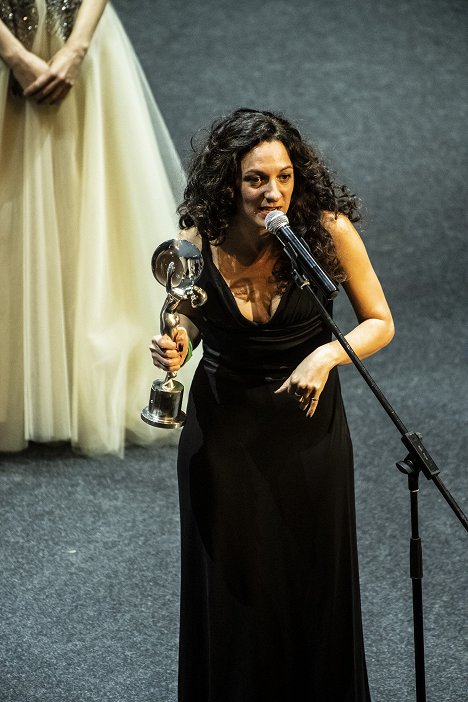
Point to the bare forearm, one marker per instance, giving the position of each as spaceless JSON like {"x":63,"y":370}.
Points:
{"x":366,"y":339}
{"x":10,"y":47}
{"x":86,"y":21}
{"x":307,"y":381}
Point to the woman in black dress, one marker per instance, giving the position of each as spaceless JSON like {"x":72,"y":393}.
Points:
{"x":270,"y":607}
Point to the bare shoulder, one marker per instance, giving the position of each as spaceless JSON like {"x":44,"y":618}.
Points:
{"x":338,"y":226}
{"x":349,"y":246}
{"x":361,"y":284}
{"x":192,"y":236}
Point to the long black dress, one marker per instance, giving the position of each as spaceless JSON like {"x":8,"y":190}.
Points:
{"x":270,"y":608}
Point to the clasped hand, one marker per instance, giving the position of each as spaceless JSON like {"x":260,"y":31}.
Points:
{"x":48,"y":82}
{"x":307,"y":381}
{"x":169,"y":354}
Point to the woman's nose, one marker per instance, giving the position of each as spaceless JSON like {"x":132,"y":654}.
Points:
{"x":272,"y":191}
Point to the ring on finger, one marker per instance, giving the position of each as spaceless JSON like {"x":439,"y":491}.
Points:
{"x":310,"y":403}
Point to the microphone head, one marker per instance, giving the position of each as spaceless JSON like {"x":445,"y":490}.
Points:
{"x":275,"y":220}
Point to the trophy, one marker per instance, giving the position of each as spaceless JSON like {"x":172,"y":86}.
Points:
{"x":176,"y":264}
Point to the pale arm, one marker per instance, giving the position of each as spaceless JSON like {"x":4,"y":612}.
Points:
{"x":375,"y":327}
{"x":24,"y":65}
{"x":10,"y":46}
{"x":63,"y":69}
{"x":86,"y":21}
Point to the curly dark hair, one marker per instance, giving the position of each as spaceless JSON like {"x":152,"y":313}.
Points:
{"x":210,"y":195}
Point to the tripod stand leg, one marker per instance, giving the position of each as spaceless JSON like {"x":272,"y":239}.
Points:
{"x":416,"y":574}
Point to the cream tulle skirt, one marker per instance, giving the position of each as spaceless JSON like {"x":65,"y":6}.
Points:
{"x":88,"y":189}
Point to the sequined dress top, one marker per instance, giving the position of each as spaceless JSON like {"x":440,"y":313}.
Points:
{"x":21,"y":18}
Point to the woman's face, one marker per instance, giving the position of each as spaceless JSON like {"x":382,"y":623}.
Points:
{"x":266,"y":184}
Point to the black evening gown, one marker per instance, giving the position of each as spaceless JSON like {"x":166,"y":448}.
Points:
{"x":270,"y":607}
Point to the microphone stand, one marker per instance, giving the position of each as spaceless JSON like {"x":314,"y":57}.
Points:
{"x":308,"y":275}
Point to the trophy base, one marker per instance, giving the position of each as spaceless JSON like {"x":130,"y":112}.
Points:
{"x":157,"y":420}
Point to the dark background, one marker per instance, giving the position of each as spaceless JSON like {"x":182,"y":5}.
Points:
{"x":89,"y":573}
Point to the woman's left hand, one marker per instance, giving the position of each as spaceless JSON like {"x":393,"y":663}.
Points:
{"x":307,"y":381}
{"x":55,"y":83}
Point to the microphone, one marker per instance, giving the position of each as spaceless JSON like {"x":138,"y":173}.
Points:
{"x":298,"y":251}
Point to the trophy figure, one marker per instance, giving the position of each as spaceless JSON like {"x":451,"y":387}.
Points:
{"x":176,"y":264}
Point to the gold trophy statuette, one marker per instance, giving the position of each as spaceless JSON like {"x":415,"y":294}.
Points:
{"x":176,"y":264}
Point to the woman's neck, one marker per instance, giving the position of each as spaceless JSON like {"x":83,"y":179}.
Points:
{"x":248,"y":247}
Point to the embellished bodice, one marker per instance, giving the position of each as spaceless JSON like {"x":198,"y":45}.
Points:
{"x":21,"y":18}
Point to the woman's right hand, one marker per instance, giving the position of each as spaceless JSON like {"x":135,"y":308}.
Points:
{"x":169,"y":354}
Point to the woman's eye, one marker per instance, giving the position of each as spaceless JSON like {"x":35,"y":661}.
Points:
{"x":254,"y":181}
{"x":284,"y":177}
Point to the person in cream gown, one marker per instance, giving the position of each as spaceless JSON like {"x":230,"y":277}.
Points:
{"x":89,"y":183}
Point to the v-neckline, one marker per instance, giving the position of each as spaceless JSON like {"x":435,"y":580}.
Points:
{"x":232,"y":299}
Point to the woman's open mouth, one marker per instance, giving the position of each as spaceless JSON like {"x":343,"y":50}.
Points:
{"x":265,"y":210}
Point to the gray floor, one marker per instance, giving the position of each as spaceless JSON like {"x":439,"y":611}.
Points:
{"x":89,"y":550}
